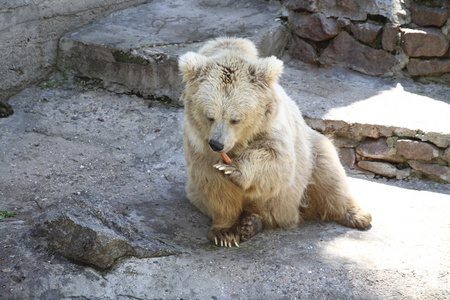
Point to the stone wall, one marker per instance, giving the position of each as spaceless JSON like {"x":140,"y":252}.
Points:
{"x":375,"y":37}
{"x":29,"y":34}
{"x":400,"y":157}
{"x":389,"y":151}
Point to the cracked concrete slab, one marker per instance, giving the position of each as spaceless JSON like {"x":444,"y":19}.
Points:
{"x":128,"y":151}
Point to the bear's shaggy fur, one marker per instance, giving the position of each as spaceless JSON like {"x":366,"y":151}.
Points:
{"x":282,"y":172}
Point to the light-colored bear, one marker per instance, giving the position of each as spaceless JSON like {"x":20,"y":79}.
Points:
{"x":282,"y":172}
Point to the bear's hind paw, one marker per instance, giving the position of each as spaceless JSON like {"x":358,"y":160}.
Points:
{"x":250,"y":225}
{"x":356,"y":218}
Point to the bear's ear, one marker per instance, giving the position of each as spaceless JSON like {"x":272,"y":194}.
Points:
{"x":191,"y":65}
{"x":266,"y":70}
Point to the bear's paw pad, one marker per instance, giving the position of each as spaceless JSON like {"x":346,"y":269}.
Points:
{"x":250,"y":225}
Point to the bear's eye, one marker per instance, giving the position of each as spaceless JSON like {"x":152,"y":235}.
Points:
{"x":234,"y":121}
{"x":211,"y":119}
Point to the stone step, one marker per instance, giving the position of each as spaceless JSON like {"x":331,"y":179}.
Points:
{"x":391,"y":127}
{"x":136,"y":50}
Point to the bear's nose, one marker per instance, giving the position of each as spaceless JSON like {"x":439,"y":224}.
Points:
{"x":215,"y":145}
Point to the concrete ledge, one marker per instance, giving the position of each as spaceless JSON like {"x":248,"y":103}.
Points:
{"x":141,"y":57}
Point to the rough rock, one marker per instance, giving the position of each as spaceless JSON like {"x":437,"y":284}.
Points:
{"x":428,"y":67}
{"x":380,"y":168}
{"x":365,"y":32}
{"x":391,"y":36}
{"x":316,"y":27}
{"x":423,"y":42}
{"x":434,"y":170}
{"x":378,"y":149}
{"x":437,"y":138}
{"x":416,"y":150}
{"x":347,"y":157}
{"x":446,"y":29}
{"x":302,"y":5}
{"x":343,"y":22}
{"x":429,"y":16}
{"x":88,"y":230}
{"x":346,"y":51}
{"x":302,"y":50}
{"x":354,"y":10}
{"x":446,"y":155}
{"x":368,"y":130}
{"x":395,"y":11}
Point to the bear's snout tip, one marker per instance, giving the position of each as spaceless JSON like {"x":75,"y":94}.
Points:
{"x":215,"y":145}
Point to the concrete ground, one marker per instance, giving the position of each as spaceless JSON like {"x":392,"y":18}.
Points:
{"x":67,"y":137}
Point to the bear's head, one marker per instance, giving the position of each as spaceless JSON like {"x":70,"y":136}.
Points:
{"x":229,"y":97}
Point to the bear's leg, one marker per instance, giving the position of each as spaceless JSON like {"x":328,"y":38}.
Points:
{"x":194,"y":196}
{"x":226,"y":207}
{"x":225,"y":212}
{"x":328,"y":195}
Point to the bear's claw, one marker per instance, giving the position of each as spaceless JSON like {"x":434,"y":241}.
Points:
{"x":226,"y":169}
{"x":232,"y":173}
{"x":226,"y":244}
{"x":222,"y":167}
{"x":224,"y":238}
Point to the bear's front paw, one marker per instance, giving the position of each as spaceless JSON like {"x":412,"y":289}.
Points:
{"x":232,"y":173}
